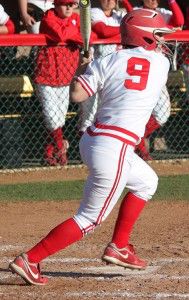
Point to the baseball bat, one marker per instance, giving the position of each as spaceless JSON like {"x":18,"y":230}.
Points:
{"x":85,"y":24}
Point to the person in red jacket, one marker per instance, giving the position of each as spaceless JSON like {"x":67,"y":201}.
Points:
{"x":56,"y":65}
{"x":6,"y":24}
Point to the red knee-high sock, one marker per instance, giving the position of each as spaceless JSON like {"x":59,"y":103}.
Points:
{"x":57,"y":136}
{"x":129,"y":212}
{"x":58,"y":238}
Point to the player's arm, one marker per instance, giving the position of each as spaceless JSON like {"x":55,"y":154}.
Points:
{"x":78,"y":92}
{"x":127,"y":5}
{"x":6,"y":24}
{"x":7,"y":28}
{"x":104,"y":31}
{"x":177,"y":19}
{"x":26,"y":18}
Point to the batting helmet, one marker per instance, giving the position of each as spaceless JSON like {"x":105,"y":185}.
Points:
{"x":141,"y":27}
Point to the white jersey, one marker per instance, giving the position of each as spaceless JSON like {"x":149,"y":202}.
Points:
{"x":3,"y":16}
{"x":166,"y":13}
{"x":43,"y":4}
{"x":129,"y":83}
{"x":97,"y":15}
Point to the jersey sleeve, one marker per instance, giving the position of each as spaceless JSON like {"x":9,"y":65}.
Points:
{"x":10,"y":26}
{"x":4,"y":17}
{"x":97,"y":15}
{"x":177,"y":18}
{"x":127,"y":5}
{"x":92,"y":80}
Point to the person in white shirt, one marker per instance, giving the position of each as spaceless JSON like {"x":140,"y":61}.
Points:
{"x":6,"y":24}
{"x":129,"y":84}
{"x":31,"y":12}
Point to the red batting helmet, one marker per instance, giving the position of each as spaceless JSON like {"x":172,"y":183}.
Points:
{"x":141,"y":27}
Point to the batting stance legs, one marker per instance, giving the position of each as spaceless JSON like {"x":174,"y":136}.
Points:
{"x":109,"y":174}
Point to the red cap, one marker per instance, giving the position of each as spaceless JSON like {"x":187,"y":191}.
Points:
{"x":62,"y":2}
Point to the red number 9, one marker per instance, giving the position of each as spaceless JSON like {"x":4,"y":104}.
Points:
{"x":137,"y":67}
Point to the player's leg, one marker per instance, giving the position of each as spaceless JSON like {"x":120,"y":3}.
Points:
{"x":107,"y":161}
{"x":142,"y":184}
{"x":108,"y":176}
{"x":54,"y":115}
{"x":61,"y":144}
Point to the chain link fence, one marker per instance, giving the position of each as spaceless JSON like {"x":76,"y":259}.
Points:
{"x":25,"y":130}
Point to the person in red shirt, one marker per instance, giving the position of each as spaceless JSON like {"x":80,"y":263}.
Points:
{"x":56,"y":65}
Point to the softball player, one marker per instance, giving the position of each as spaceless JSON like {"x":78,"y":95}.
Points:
{"x":55,"y":68}
{"x":129,"y":84}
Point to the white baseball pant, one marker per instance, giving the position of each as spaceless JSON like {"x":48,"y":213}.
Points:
{"x":55,"y":102}
{"x":113,"y":165}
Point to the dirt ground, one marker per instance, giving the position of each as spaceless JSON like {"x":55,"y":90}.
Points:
{"x":161,"y":236}
{"x":175,"y":167}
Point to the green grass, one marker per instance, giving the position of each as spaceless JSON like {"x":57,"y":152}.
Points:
{"x":170,"y":187}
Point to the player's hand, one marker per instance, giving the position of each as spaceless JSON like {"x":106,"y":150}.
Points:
{"x":85,"y":60}
{"x":28,"y":20}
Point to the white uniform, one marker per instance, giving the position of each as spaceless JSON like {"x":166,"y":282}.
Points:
{"x":129,"y":83}
{"x":88,"y":108}
{"x":97,"y":15}
{"x":44,"y":5}
{"x":3,"y":16}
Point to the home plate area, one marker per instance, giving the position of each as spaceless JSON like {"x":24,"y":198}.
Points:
{"x":90,"y":278}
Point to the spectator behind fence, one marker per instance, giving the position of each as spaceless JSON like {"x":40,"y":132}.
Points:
{"x":56,"y":65}
{"x":6,"y":24}
{"x":106,"y":19}
{"x":174,"y":18}
{"x":186,"y":21}
{"x":32,"y":11}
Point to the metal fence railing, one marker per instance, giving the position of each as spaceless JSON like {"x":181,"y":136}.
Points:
{"x":24,"y":132}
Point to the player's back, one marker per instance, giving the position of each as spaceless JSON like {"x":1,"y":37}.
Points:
{"x":131,"y":81}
